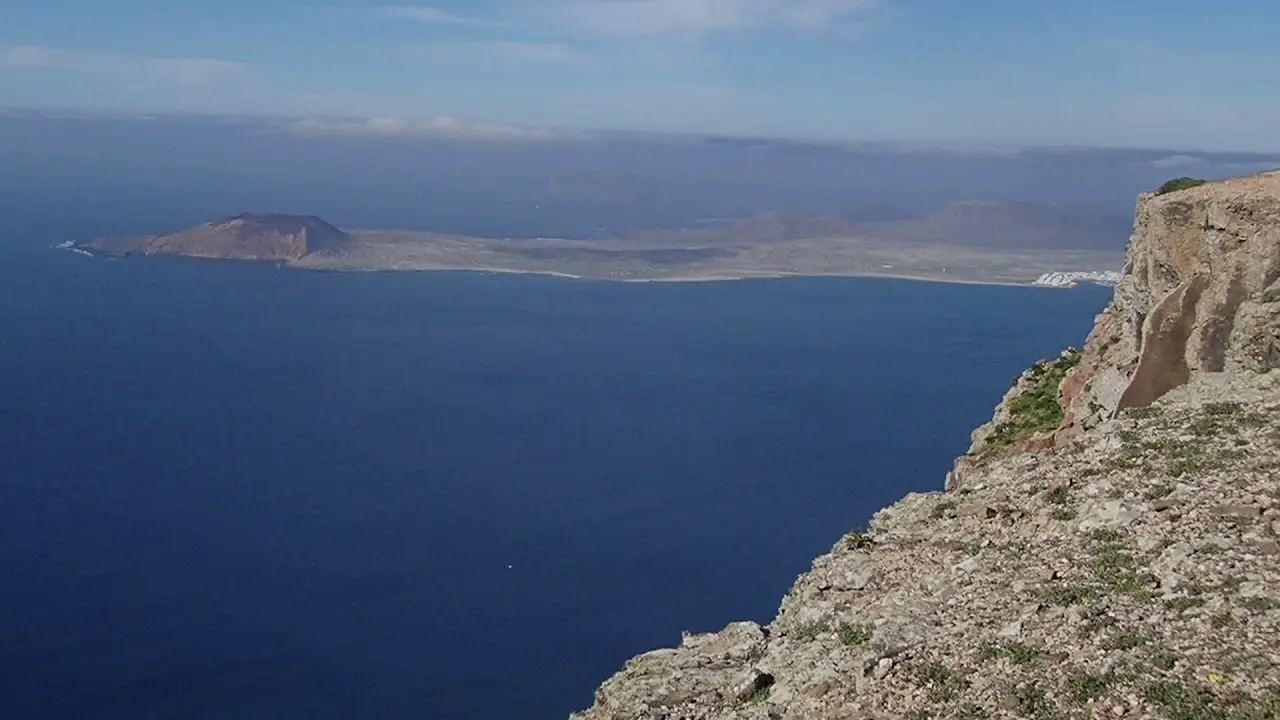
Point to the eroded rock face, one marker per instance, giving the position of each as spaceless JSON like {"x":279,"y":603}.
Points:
{"x":1200,"y":293}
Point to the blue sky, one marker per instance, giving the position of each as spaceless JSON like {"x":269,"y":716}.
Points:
{"x":1177,"y":73}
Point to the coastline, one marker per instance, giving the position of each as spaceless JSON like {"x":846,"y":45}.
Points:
{"x":695,"y":278}
{"x":684,"y":278}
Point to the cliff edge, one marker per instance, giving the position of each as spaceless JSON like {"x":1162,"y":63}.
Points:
{"x":1108,"y":547}
{"x":1200,"y":292}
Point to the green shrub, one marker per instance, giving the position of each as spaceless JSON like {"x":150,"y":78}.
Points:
{"x":855,"y":634}
{"x":1181,"y":183}
{"x":1036,"y":409}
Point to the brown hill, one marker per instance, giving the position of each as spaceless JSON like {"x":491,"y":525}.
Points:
{"x":977,"y":225}
{"x":1008,"y":226}
{"x":248,"y":236}
{"x":768,"y":227}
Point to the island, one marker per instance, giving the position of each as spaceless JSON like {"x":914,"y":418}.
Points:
{"x":964,"y":242}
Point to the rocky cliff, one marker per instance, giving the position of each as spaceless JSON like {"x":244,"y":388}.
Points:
{"x":1200,"y":292}
{"x":1108,"y":547}
{"x":247,"y":236}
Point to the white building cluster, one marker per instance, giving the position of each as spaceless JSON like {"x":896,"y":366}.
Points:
{"x":1071,"y":279}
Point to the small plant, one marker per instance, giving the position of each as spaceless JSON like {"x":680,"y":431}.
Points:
{"x":1220,"y":417}
{"x":858,"y":540}
{"x":1034,"y":703}
{"x":1106,"y":536}
{"x":1254,"y":419}
{"x":1086,"y":687}
{"x":1058,"y":496}
{"x":855,"y":634}
{"x":1095,"y":625}
{"x":1121,"y":462}
{"x":1259,"y":604}
{"x":1067,"y":595}
{"x":760,"y":694}
{"x":1222,"y":409}
{"x":965,"y":547}
{"x":1127,"y":641}
{"x":759,"y":691}
{"x":942,"y":509}
{"x":810,"y":630}
{"x":1145,"y":412}
{"x":1183,"y":604}
{"x":1015,"y":652}
{"x":1179,"y":183}
{"x":943,"y":683}
{"x":1113,"y":566}
{"x":1223,"y":620}
{"x":1164,"y":659}
{"x":1182,"y":701}
{"x":1064,"y":514}
{"x":1235,"y":522}
{"x":990,"y":650}
{"x":1195,"y":465}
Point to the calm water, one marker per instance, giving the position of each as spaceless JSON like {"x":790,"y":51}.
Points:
{"x":231,"y":491}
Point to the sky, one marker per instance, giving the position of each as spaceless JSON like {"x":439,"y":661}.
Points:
{"x":1138,"y":73}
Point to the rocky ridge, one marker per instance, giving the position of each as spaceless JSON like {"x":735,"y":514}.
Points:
{"x":1109,"y":546}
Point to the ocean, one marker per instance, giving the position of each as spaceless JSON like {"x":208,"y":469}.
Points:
{"x":234,"y":491}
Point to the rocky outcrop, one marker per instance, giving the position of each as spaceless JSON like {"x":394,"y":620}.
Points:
{"x":1109,"y":547}
{"x":1200,"y":293}
{"x":1025,"y":420}
{"x":246,"y":236}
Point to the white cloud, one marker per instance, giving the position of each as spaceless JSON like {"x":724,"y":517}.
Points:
{"x":702,"y":17}
{"x":193,"y":71}
{"x":183,"y":71}
{"x":506,"y":52}
{"x":1253,"y":167}
{"x":1172,"y":161}
{"x":639,"y":18}
{"x":555,"y":53}
{"x":441,"y":126}
{"x":429,"y":14}
{"x":1217,"y":166}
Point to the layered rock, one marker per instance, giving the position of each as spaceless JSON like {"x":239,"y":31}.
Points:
{"x":1109,"y":547}
{"x":1200,"y":292}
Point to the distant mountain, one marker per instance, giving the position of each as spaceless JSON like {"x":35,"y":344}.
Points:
{"x":1010,"y":226}
{"x":769,"y":227}
{"x":979,"y":225}
{"x":248,"y":236}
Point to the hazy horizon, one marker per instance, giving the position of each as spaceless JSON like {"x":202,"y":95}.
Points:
{"x":128,"y":175}
{"x":478,"y":130}
{"x":1088,"y":73}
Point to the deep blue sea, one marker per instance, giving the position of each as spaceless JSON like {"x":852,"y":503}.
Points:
{"x":233,"y":491}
